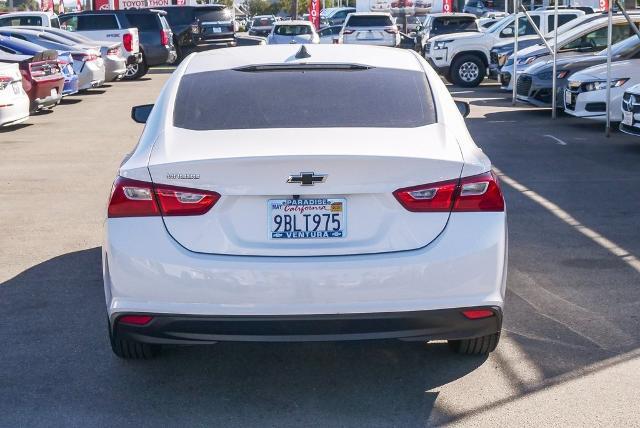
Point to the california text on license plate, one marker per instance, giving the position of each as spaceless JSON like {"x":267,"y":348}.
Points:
{"x":307,"y":218}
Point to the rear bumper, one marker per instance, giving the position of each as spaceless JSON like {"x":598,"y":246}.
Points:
{"x":15,"y":110}
{"x":146,"y":271}
{"x":420,"y":325}
{"x":114,"y":68}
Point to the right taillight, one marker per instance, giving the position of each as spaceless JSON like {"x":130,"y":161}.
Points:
{"x":127,"y":41}
{"x":135,"y":198}
{"x":468,"y":194}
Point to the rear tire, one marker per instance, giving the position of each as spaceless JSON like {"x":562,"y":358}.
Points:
{"x":476,"y":346}
{"x":468,"y":71}
{"x":131,"y":350}
{"x":135,"y":71}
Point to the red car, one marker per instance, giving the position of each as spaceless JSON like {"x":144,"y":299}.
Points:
{"x":42,"y":80}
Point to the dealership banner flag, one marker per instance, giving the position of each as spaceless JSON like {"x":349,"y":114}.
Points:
{"x":314,"y":13}
{"x":447,"y":6}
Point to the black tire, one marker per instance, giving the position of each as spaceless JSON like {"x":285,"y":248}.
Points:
{"x":476,"y":346}
{"x":468,"y":71}
{"x":136,"y":71}
{"x":130,"y":350}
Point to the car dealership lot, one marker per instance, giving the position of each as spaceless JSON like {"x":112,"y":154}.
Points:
{"x":569,"y":353}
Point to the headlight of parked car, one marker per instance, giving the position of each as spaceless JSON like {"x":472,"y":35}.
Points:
{"x":527,"y":60}
{"x":602,"y":84}
{"x":441,"y":44}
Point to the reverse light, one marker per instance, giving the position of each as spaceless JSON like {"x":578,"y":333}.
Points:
{"x":469,"y":194}
{"x":135,"y":198}
{"x":475,"y":314}
{"x":135,"y":319}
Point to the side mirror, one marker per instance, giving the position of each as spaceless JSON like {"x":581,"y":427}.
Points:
{"x":463,"y":107}
{"x":507,"y":32}
{"x":140,"y":114}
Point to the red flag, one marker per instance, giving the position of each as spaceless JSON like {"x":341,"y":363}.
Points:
{"x":604,"y":5}
{"x":314,"y":13}
{"x":46,"y":5}
{"x":61,"y":7}
{"x":78,"y":5}
{"x":447,"y":6}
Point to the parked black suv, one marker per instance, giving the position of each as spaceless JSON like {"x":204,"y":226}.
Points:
{"x":154,"y":32}
{"x":184,"y":25}
{"x":216,"y":23}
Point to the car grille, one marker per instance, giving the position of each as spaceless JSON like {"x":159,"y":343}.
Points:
{"x":524,"y":84}
{"x":494,"y":57}
{"x":631,"y":102}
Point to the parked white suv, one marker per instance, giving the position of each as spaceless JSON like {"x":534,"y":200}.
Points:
{"x":631,"y":111}
{"x":370,"y":28}
{"x":463,"y":58}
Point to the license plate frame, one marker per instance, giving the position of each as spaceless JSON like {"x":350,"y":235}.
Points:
{"x":330,"y":210}
{"x":627,"y":118}
{"x":568,"y":97}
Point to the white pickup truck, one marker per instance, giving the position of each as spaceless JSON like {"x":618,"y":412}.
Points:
{"x":462,"y":58}
{"x":105,"y":26}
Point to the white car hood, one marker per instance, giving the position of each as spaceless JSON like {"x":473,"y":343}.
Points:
{"x":459,"y":36}
{"x":619,"y":69}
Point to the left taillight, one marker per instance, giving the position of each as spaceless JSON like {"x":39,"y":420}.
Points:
{"x":469,"y":194}
{"x":134,"y":198}
{"x":164,"y":37}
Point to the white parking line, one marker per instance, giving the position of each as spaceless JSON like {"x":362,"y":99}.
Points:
{"x":556,"y":139}
{"x":461,"y":92}
{"x":624,"y":255}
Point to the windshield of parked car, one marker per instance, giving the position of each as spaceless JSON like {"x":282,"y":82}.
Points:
{"x":292,"y":30}
{"x":369,"y":21}
{"x":453,"y":25}
{"x":21,"y":20}
{"x":178,"y":15}
{"x":263,"y":22}
{"x":289,"y":98}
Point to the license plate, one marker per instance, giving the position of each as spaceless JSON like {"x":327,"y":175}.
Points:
{"x":216,"y":30}
{"x":307,"y":218}
{"x":567,"y":97}
{"x":627,"y":118}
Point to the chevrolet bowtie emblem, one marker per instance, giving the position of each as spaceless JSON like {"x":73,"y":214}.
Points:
{"x":307,"y":178}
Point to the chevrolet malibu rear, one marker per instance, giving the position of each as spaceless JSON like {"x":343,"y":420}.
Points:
{"x":330,"y":212}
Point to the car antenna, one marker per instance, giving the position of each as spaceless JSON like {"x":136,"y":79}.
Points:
{"x":302,"y":53}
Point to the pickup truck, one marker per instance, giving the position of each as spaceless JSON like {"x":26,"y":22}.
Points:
{"x":463,"y":58}
{"x":105,"y":26}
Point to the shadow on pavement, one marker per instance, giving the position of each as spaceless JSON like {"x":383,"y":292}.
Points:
{"x":56,"y":353}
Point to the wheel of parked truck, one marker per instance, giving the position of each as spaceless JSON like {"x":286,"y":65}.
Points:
{"x":135,"y":71}
{"x":468,"y":71}
{"x":131,"y":350}
{"x":477,"y":346}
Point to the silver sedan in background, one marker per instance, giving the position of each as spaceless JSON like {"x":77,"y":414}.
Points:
{"x":115,"y":65}
{"x":287,"y":32}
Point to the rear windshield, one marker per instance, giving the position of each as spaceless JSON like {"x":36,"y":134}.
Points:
{"x":234,"y":99}
{"x":179,"y":15}
{"x":369,"y":21}
{"x":143,"y":21}
{"x":212,"y":15}
{"x":263,"y":22}
{"x":292,"y":30}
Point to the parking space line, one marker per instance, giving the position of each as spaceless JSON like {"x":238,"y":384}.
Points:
{"x":624,"y":255}
{"x":556,"y":139}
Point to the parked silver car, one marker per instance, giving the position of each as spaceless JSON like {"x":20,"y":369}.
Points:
{"x":287,"y":32}
{"x":87,"y":59}
{"x":115,"y":65}
{"x":370,"y":28}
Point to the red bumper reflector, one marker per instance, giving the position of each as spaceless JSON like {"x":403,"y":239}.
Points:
{"x":474,"y":314}
{"x":135,"y":319}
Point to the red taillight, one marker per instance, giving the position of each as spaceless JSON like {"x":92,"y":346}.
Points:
{"x":475,"y":314}
{"x":134,"y":198}
{"x":345,"y":31}
{"x":135,"y":319}
{"x":164,"y":38}
{"x":469,"y":194}
{"x":127,"y":42}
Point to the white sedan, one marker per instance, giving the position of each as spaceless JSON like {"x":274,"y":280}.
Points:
{"x":364,"y":214}
{"x":14,"y":102}
{"x":586,"y":92}
{"x":285,"y":32}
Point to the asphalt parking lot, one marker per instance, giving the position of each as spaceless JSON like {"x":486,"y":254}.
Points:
{"x":569,"y":354}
